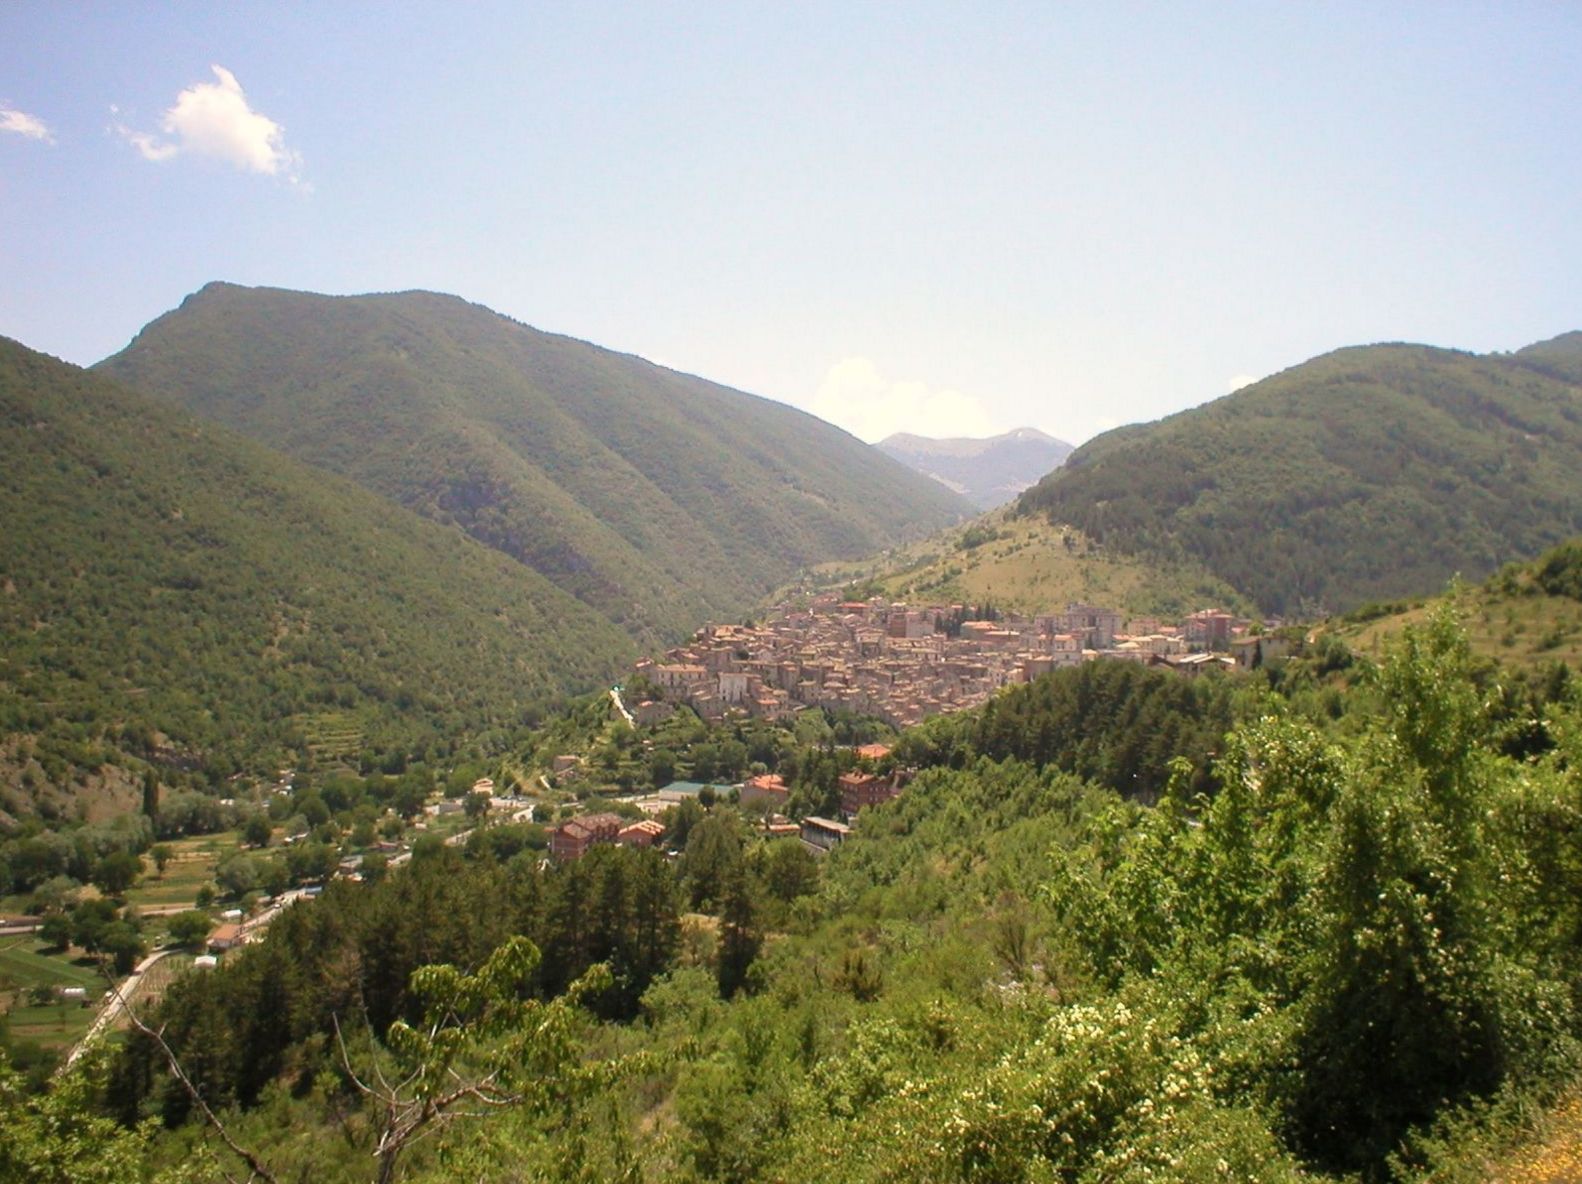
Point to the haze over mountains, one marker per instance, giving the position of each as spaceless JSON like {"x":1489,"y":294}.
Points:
{"x":987,"y":472}
{"x":1368,"y":473}
{"x":658,"y":499}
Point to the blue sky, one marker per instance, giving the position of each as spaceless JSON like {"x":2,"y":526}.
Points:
{"x":948,"y":219}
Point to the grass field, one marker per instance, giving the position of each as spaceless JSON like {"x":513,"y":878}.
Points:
{"x":190,"y":868}
{"x":24,"y":964}
{"x":1028,"y":566}
{"x":1515,"y":630}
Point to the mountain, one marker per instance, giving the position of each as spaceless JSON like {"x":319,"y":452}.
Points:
{"x":173,"y":592}
{"x":1366,"y":474}
{"x":987,"y":472}
{"x":657,"y":499}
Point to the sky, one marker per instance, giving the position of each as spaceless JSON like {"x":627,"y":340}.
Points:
{"x":946,"y":219}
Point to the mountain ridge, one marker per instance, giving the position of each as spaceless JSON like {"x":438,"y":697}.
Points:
{"x":657,"y":498}
{"x":989,"y":471}
{"x":1366,"y":473}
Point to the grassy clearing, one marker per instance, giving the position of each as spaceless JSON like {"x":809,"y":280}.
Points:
{"x":1027,"y":565}
{"x":1524,"y":631}
{"x":26,"y":964}
{"x":191,"y":867}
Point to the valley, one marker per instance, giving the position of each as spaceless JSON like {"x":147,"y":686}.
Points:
{"x":921,"y":811}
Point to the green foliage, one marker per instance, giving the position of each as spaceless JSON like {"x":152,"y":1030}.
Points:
{"x":1115,"y":723}
{"x":57,"y":1137}
{"x":1559,"y":571}
{"x":657,"y":499}
{"x":1365,"y":474}
{"x":156,"y":566}
{"x":189,"y":928}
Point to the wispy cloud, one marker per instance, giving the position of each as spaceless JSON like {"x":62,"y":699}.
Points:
{"x":215,"y":120}
{"x":23,"y":124}
{"x":856,"y":396}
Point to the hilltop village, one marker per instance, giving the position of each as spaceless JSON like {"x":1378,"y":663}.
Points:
{"x":888,"y":660}
{"x":901,"y":663}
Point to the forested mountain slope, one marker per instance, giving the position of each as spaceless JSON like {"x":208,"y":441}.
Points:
{"x":1368,"y":473}
{"x":657,"y":498}
{"x":161,"y":576}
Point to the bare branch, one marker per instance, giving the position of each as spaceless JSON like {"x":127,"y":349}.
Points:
{"x":255,"y":1165}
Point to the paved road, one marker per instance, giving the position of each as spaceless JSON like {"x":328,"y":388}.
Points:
{"x":114,"y":1005}
{"x":615,"y":697}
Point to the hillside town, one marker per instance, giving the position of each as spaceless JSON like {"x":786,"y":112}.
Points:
{"x":903,"y":663}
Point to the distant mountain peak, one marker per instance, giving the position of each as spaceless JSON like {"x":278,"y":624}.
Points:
{"x":989,"y":470}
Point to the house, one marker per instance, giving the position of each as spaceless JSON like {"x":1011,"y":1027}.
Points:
{"x":679,"y":676}
{"x":1210,"y":628}
{"x":572,"y":838}
{"x":227,"y":937}
{"x":873,"y":752}
{"x":766,"y":789}
{"x":864,"y":789}
{"x":653,"y":711}
{"x":645,"y":833}
{"x":823,"y":834}
{"x":1252,"y":652}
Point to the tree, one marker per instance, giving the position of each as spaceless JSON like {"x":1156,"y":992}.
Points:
{"x":189,"y":928}
{"x":257,"y":831}
{"x":124,"y":944}
{"x":477,"y":806}
{"x":90,"y":921}
{"x":661,"y":767}
{"x":117,"y":872}
{"x":161,"y":853}
{"x":739,"y":936}
{"x":480,"y":1048}
{"x":57,"y":1137}
{"x":56,"y":930}
{"x":238,"y":874}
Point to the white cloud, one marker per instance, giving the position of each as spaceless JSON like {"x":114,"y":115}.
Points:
{"x":856,"y":396}
{"x":23,"y":124}
{"x":214,"y":119}
{"x":1238,"y":381}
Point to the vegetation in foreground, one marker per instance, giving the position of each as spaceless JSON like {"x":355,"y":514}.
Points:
{"x":1354,"y":957}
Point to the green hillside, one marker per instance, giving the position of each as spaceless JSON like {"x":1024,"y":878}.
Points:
{"x":656,"y":498}
{"x":1527,"y":617}
{"x":1027,"y":565}
{"x":174,"y":592}
{"x":1366,"y":474}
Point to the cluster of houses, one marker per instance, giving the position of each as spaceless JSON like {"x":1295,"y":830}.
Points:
{"x":903,"y":664}
{"x":899,"y":663}
{"x":765,"y":793}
